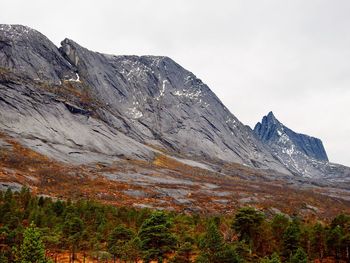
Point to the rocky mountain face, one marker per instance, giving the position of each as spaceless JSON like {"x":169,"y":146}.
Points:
{"x":145,"y":132}
{"x":271,"y":130}
{"x":80,"y":106}
{"x":83,"y":107}
{"x":300,"y":153}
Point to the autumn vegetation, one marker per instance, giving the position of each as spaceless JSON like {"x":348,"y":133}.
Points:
{"x":41,"y":229}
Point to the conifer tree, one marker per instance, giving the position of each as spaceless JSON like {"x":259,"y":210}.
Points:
{"x":291,"y":239}
{"x":32,"y":249}
{"x":318,"y":241}
{"x":299,"y":256}
{"x":74,"y":230}
{"x":118,"y":242}
{"x":279,"y":225}
{"x":273,"y":259}
{"x":246,"y":223}
{"x":183,"y":255}
{"x":156,"y":238}
{"x":214,"y":249}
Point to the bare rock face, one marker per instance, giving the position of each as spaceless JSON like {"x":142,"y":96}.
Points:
{"x":80,"y":106}
{"x":301,"y":154}
{"x":30,"y":54}
{"x":271,"y":130}
{"x":41,"y":104}
{"x":160,"y":103}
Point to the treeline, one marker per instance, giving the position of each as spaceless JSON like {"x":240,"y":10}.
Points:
{"x":37,"y":229}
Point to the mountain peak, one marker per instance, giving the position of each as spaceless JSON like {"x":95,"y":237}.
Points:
{"x":16,"y":32}
{"x":297,"y":151}
{"x":270,"y":130}
{"x":28,"y":53}
{"x":267,"y":128}
{"x":270,"y":115}
{"x":271,"y":118}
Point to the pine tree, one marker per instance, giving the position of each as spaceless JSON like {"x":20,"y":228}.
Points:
{"x":133,"y":248}
{"x":183,"y":255}
{"x":246,"y":223}
{"x":291,"y":239}
{"x":299,"y":256}
{"x":340,"y":236}
{"x":213,"y":248}
{"x":334,"y":241}
{"x":279,"y":225}
{"x":273,"y":259}
{"x":32,"y":249}
{"x":118,"y":240}
{"x":318,"y":240}
{"x":155,"y":236}
{"x":74,"y":230}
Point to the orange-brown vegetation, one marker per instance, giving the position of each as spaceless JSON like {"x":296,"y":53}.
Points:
{"x":45,"y":176}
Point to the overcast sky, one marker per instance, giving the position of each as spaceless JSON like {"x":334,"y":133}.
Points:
{"x":288,"y":56}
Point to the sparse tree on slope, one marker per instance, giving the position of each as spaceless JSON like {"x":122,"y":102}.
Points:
{"x":118,"y":241}
{"x":156,"y":238}
{"x":273,"y":259}
{"x":299,"y":256}
{"x":32,"y":249}
{"x":213,"y":248}
{"x":247,"y":223}
{"x":291,"y":239}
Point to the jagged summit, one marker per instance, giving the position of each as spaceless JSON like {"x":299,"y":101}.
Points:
{"x":267,"y":127}
{"x":271,"y":117}
{"x":301,"y":153}
{"x":270,"y":129}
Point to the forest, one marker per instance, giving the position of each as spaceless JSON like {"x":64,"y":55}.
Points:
{"x":40,"y":229}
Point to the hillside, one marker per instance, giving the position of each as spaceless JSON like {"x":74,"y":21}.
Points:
{"x":143,"y":132}
{"x":36,"y":228}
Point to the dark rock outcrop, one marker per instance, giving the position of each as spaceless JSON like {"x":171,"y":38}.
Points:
{"x":271,"y":130}
{"x":301,"y":154}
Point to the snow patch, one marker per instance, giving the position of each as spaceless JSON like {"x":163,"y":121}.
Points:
{"x":188,"y":94}
{"x":16,"y":32}
{"x":77,"y":78}
{"x":135,"y":113}
{"x":162,"y":90}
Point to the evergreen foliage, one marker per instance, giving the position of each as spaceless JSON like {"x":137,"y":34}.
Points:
{"x":32,"y":227}
{"x":299,"y":256}
{"x":156,"y":238}
{"x":32,"y":248}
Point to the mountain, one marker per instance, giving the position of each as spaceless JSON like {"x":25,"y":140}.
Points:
{"x":271,"y":130}
{"x":301,"y":154}
{"x":126,"y":106}
{"x":143,"y":131}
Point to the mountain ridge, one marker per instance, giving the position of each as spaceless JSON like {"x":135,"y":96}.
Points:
{"x":152,"y":100}
{"x":311,"y":146}
{"x":302,"y":154}
{"x":137,"y":122}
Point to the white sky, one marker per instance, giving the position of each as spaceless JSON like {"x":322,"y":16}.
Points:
{"x":288,"y":56}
